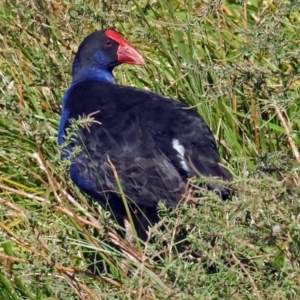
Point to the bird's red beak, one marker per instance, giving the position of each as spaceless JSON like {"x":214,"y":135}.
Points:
{"x":126,"y":53}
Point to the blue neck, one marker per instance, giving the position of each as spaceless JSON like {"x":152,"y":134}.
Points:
{"x":93,"y":74}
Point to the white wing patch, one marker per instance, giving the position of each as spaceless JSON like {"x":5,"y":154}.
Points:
{"x":180,"y":149}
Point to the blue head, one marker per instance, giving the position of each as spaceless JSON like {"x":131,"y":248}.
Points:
{"x":100,"y":52}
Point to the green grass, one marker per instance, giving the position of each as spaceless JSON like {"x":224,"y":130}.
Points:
{"x":238,"y":63}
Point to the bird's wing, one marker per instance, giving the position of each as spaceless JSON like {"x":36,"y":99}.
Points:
{"x":183,"y":136}
{"x":179,"y":131}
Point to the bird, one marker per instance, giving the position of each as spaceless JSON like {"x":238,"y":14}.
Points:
{"x":145,"y":143}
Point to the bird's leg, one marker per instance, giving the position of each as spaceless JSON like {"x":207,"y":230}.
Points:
{"x":129,"y":237}
{"x":129,"y":232}
{"x":93,"y":121}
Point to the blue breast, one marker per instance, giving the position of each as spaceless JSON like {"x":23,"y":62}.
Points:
{"x":63,"y":119}
{"x":89,"y":74}
{"x":86,"y":184}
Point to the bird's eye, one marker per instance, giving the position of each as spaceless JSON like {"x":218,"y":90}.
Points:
{"x":108,"y":43}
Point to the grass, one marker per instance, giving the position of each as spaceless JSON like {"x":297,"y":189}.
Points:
{"x":238,"y":64}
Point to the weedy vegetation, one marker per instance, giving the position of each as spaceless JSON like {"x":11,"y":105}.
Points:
{"x":237,"y":63}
